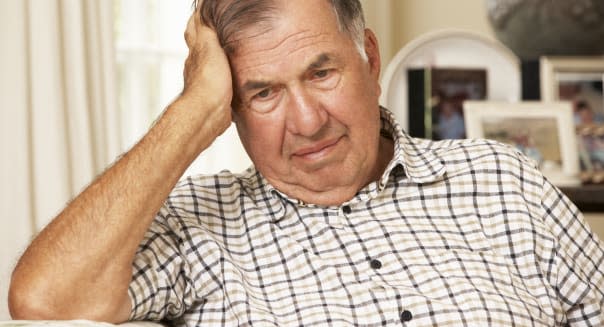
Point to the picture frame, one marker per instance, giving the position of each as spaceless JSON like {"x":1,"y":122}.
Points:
{"x":436,"y":97}
{"x":578,"y":80}
{"x":543,"y":131}
{"x":450,"y":48}
{"x":590,"y":140}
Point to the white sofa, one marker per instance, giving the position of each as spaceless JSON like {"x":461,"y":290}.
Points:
{"x":74,"y":323}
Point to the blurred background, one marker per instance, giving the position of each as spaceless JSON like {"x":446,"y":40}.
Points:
{"x":82,"y":80}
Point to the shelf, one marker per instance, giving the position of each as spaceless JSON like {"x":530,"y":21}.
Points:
{"x":588,"y":198}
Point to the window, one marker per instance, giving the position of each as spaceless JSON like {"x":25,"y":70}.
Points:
{"x":150,"y":55}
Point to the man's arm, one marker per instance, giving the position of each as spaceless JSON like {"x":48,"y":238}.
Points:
{"x":80,"y":265}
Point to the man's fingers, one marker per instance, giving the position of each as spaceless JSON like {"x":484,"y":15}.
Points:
{"x":198,"y":4}
{"x":190,"y":32}
{"x":197,"y":15}
{"x":195,"y":26}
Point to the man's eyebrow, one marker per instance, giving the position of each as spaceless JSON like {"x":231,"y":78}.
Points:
{"x":320,"y":61}
{"x":254,"y":85}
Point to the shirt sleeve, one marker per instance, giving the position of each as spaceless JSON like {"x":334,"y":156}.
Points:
{"x":579,"y":267}
{"x":159,"y":282}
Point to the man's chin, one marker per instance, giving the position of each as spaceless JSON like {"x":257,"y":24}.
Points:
{"x":322,"y":183}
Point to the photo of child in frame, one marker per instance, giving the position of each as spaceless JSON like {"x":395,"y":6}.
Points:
{"x":591,"y":153}
{"x":585,"y":92}
{"x":450,"y":88}
{"x":436,"y":97}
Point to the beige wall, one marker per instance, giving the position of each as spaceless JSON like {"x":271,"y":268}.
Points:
{"x":416,"y":17}
{"x":396,"y":22}
{"x":596,"y":222}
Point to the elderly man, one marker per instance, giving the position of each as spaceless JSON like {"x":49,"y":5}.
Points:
{"x":343,"y":220}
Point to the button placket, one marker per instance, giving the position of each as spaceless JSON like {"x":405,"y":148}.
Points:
{"x":375,"y":264}
{"x":339,"y":220}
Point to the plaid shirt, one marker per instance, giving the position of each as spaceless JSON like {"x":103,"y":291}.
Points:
{"x":455,"y":233}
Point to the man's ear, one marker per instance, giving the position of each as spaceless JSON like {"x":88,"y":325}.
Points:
{"x":236,"y":103}
{"x":235,"y":111}
{"x":372,"y":51}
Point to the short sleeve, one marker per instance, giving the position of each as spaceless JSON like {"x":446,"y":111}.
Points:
{"x":159,"y":282}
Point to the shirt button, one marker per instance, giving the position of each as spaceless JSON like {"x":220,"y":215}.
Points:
{"x":346,"y":209}
{"x":406,"y":316}
{"x":375,"y":264}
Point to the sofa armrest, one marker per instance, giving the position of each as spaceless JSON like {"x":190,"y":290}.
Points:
{"x":74,"y":323}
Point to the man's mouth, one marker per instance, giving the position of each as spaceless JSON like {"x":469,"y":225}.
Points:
{"x":317,"y":150}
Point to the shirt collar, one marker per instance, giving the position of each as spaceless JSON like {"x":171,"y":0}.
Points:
{"x":418,"y":159}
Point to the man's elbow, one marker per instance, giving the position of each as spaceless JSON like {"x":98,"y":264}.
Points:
{"x":32,"y":299}
{"x":23,"y":304}
{"x":29,"y":302}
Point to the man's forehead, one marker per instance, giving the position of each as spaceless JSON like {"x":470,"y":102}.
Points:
{"x":273,"y":48}
{"x":316,"y":63}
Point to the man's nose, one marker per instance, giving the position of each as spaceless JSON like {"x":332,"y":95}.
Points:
{"x":305,"y":115}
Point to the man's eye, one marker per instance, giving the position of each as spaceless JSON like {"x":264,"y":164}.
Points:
{"x":265,"y":100}
{"x":322,"y":73}
{"x":325,"y":78}
{"x":263,"y":94}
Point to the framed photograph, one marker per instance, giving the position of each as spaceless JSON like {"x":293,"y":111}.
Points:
{"x":446,"y":49}
{"x":578,"y":80}
{"x":590,"y":138}
{"x":436,"y":97}
{"x":543,"y":131}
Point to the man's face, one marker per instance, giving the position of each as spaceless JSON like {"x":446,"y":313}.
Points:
{"x":309,"y":113}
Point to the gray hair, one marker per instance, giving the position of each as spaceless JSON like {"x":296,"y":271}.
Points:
{"x":229,"y":17}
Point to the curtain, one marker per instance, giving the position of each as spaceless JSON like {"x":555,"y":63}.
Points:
{"x":58,"y":114}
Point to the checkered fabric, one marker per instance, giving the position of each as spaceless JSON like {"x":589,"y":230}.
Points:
{"x":455,"y":233}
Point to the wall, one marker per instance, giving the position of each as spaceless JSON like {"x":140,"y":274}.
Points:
{"x":596,"y":222}
{"x":418,"y":17}
{"x":396,"y":22}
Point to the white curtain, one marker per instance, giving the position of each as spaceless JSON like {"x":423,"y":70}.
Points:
{"x":58,"y":114}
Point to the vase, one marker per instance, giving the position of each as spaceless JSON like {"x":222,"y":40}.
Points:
{"x":534,"y":28}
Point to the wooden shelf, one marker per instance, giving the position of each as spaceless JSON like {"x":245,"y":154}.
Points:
{"x":589,"y":198}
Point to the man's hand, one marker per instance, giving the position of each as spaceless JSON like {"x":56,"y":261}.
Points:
{"x":207,"y":75}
